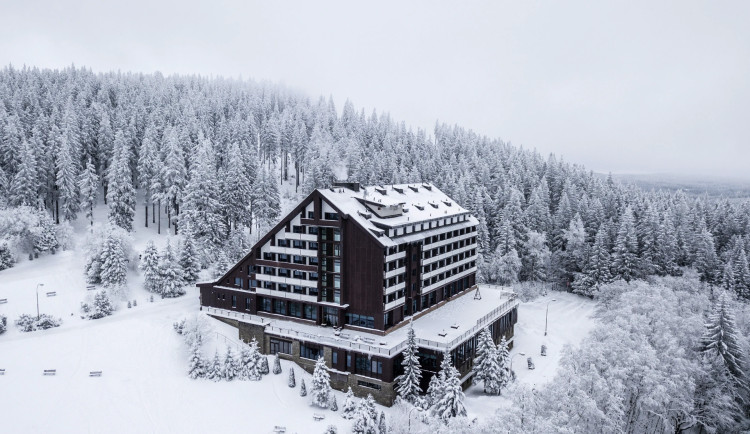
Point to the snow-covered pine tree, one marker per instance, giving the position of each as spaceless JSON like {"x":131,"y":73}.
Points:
{"x":625,"y":256}
{"x":596,"y":272}
{"x":263,"y":365}
{"x":189,"y":259}
{"x":366,"y":417}
{"x":173,"y":173}
{"x":721,"y":342}
{"x":230,"y":365}
{"x":120,"y":191}
{"x":742,"y":274}
{"x":3,"y":324}
{"x":407,"y":385}
{"x":215,"y":371}
{"x":6,"y":257}
{"x":197,"y":368}
{"x":114,"y":263}
{"x":66,"y":176}
{"x":236,"y":189}
{"x":321,"y":384}
{"x":250,"y":362}
{"x":222,"y":264}
{"x":382,"y":426}
{"x":268,"y":204}
{"x":706,"y":261}
{"x":276,"y":364}
{"x":450,"y":403}
{"x":331,"y":429}
{"x":350,"y":405}
{"x":503,"y":361}
{"x":88,"y":186}
{"x":302,"y":388}
{"x":201,"y":206}
{"x":170,"y":274}
{"x":148,"y":167}
{"x":101,"y":307}
{"x":149,"y":265}
{"x":333,"y":405}
{"x":291,"y":382}
{"x":25,"y":185}
{"x":435,"y":388}
{"x":535,"y":262}
{"x":485,"y":367}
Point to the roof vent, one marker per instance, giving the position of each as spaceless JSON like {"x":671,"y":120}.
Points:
{"x":366,"y":215}
{"x":378,"y":232}
{"x":381,"y":190}
{"x":447,"y":202}
{"x":427,"y":186}
{"x":399,"y":189}
{"x":433,"y":204}
{"x":414,"y":188}
{"x":419,"y":206}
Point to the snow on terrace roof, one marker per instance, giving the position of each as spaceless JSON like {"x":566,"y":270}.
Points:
{"x":416,"y":203}
{"x":447,"y":326}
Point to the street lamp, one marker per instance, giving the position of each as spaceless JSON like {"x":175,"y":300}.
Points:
{"x":545,"y":316}
{"x":37,"y":299}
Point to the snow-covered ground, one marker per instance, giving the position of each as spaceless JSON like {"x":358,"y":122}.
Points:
{"x":144,"y":386}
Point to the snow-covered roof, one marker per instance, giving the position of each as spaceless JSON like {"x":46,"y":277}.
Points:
{"x":380,"y":208}
{"x":443,"y":328}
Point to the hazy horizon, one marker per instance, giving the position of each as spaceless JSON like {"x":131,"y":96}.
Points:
{"x":627,"y":89}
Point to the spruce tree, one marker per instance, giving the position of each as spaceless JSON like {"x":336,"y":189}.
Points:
{"x":366,"y":417}
{"x":230,"y":365}
{"x":25,"y":185}
{"x":333,"y":405}
{"x":276,"y":364}
{"x":173,"y":173}
{"x":215,"y":371}
{"x":625,"y":256}
{"x":114,"y":264}
{"x":382,"y":426}
{"x":302,"y":388}
{"x":66,"y":177}
{"x":263,"y":365}
{"x":250,"y":361}
{"x":236,"y":189}
{"x":6,"y":257}
{"x":149,"y":265}
{"x":189,"y":259}
{"x":197,"y":367}
{"x":120,"y":191}
{"x":291,"y":382}
{"x":102,"y":306}
{"x":485,"y":367}
{"x":721,"y":342}
{"x":201,"y":204}
{"x":350,"y":405}
{"x":321,"y":384}
{"x":706,"y":261}
{"x":407,"y":385}
{"x":596,"y":272}
{"x":170,"y":274}
{"x":450,"y":402}
{"x":88,"y":186}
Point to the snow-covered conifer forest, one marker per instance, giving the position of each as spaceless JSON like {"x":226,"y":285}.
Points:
{"x":87,"y":160}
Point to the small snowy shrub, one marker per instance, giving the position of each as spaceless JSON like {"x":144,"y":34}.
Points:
{"x":101,"y":307}
{"x":331,"y":430}
{"x":333,"y":405}
{"x":30,"y":323}
{"x":302,"y":388}
{"x":264,"y":365}
{"x":130,"y":305}
{"x":292,"y":381}
{"x":276,"y":364}
{"x":3,"y":324}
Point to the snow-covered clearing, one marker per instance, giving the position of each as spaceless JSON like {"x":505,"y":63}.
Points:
{"x":144,"y":386}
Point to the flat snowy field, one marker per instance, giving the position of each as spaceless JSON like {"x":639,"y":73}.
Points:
{"x":144,"y":386}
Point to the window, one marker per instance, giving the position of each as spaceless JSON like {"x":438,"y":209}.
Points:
{"x":284,"y":272}
{"x":311,"y":312}
{"x":279,"y":306}
{"x":334,"y":358}
{"x":280,"y":346}
{"x":360,"y":320}
{"x":297,"y":289}
{"x":312,"y":291}
{"x":311,"y":214}
{"x":336,"y":296}
{"x":331,"y":316}
{"x":247,"y":303}
{"x":337,"y":234}
{"x":331,"y":216}
{"x":312,"y":245}
{"x":312,"y":230}
{"x":313,"y":260}
{"x":234,"y":301}
{"x":337,"y":250}
{"x":368,"y":384}
{"x":284,"y":287}
{"x":283,"y":257}
{"x":299,"y":274}
{"x":282,"y":242}
{"x":337,"y":265}
{"x":238,"y":281}
{"x":298,"y":229}
{"x":265,"y":304}
{"x":307,"y":352}
{"x":297,"y":244}
{"x":312,"y":275}
{"x":269,"y":285}
{"x":337,"y":281}
{"x":295,"y":309}
{"x":269,"y":270}
{"x":269,"y":256}
{"x":298,"y":259}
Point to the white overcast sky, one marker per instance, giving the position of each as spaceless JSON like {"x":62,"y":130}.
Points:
{"x":627,"y":87}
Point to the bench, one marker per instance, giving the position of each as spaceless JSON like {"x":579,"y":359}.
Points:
{"x":50,"y":372}
{"x":318,"y":416}
{"x":279,"y":429}
{"x":3,"y":300}
{"x":51,"y":293}
{"x":95,"y":374}
{"x":90,"y":288}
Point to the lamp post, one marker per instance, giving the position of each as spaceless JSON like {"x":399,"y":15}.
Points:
{"x":37,"y":299}
{"x":545,"y":316}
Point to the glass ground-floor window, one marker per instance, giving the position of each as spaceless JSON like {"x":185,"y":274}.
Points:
{"x":331,"y":316}
{"x":311,"y":312}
